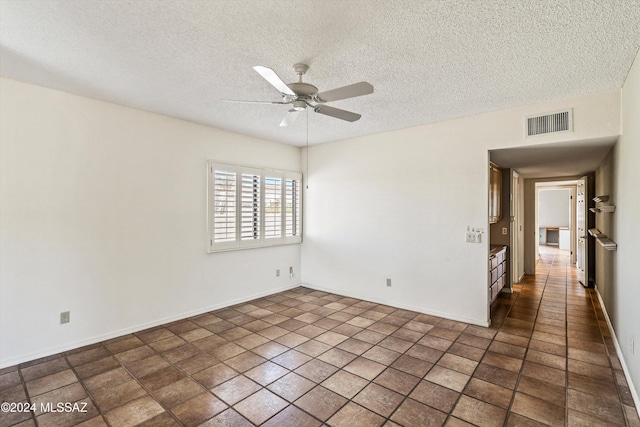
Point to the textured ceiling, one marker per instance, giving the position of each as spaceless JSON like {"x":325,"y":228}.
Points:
{"x":428,"y":60}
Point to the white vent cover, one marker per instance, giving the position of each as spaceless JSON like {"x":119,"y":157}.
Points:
{"x":560,"y":121}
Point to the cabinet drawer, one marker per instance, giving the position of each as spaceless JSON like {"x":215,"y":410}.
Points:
{"x":493,"y":263}
{"x":494,"y":291}
{"x":494,"y":275}
{"x":500,"y":269}
{"x":500,"y":283}
{"x":500,"y":257}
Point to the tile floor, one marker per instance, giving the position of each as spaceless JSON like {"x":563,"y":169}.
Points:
{"x":309,"y":358}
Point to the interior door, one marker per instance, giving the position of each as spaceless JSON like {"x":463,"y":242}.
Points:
{"x":582,"y":207}
{"x":517,"y":233}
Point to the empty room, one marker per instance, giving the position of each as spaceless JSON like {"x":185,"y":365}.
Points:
{"x":319,"y":212}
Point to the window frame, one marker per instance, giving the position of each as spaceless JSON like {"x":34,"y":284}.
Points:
{"x":293,"y":215}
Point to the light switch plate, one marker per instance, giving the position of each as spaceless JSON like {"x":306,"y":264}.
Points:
{"x":473,"y":234}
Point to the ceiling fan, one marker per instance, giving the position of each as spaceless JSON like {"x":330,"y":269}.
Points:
{"x":302,"y":95}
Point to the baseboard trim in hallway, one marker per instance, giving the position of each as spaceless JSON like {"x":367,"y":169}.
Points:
{"x":618,"y":349}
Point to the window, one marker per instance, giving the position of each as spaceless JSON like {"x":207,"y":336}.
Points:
{"x":272,"y":206}
{"x":250,"y":207}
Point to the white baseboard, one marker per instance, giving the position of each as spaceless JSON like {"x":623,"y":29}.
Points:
{"x":402,"y":306}
{"x":88,"y":341}
{"x":625,"y":369}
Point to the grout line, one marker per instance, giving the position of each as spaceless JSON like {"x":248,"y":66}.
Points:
{"x":566,"y":346}
{"x":551,"y":275}
{"x":521,"y":372}
{"x":26,"y":393}
{"x":81,"y":381}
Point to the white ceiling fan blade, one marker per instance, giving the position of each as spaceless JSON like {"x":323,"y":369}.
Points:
{"x":351,"y":91}
{"x":254,"y":102}
{"x":337,"y":113}
{"x":269,"y":75}
{"x":290,"y":117}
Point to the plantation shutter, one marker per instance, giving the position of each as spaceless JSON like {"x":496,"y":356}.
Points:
{"x":293,"y":203}
{"x":225,"y":207}
{"x":250,"y":202}
{"x":273,"y":207}
{"x":251,"y":207}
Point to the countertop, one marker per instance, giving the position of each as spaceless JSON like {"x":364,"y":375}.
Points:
{"x":494,"y":249}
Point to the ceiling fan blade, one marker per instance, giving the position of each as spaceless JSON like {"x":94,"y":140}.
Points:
{"x":337,"y":113}
{"x":351,"y":91}
{"x":290,"y":117}
{"x":254,"y":102}
{"x":269,"y":75}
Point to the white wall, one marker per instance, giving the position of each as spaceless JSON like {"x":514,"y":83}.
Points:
{"x":605,"y":222}
{"x":103,"y":213}
{"x":396,"y":205}
{"x":554,"y":208}
{"x":624,"y":305}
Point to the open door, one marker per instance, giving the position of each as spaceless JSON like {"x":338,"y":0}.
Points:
{"x":585,"y":260}
{"x":517,"y":232}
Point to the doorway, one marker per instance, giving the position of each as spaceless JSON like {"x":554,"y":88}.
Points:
{"x":555,"y":217}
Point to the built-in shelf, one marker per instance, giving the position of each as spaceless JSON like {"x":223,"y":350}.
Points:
{"x":609,"y":209}
{"x":595,"y":232}
{"x":599,"y":199}
{"x":604,"y":241}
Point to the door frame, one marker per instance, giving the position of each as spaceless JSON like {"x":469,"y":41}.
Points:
{"x":517,"y":228}
{"x":573,"y":186}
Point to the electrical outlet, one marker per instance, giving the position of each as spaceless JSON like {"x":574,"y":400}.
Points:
{"x":504,"y":231}
{"x":389,"y":282}
{"x":470,"y":237}
{"x":277,"y":273}
{"x":64,"y":317}
{"x":631,"y":349}
{"x":290,"y":272}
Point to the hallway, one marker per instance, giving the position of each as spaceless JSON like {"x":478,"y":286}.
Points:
{"x":570,"y":370}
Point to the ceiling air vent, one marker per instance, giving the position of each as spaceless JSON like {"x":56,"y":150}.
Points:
{"x":550,"y":123}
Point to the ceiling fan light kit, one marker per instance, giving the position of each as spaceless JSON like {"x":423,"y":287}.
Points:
{"x":302,"y":95}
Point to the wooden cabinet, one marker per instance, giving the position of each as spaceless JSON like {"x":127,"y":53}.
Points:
{"x":495,"y":194}
{"x":497,"y":270}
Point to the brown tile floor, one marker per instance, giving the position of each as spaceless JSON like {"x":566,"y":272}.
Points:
{"x":309,"y":358}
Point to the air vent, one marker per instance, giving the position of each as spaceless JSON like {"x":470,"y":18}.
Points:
{"x":550,"y":123}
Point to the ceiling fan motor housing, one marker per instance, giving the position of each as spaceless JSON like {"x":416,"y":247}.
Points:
{"x":303,"y":90}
